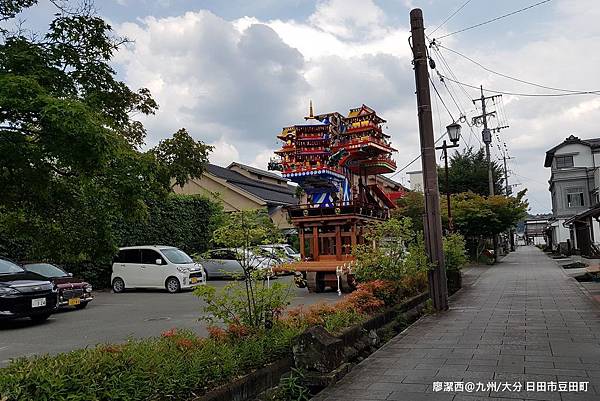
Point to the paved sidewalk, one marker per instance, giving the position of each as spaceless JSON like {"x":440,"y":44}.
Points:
{"x":521,"y":320}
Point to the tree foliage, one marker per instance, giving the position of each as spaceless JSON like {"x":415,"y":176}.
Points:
{"x":71,"y":166}
{"x":255,"y":302}
{"x":468,"y":171}
{"x":478,"y":217}
{"x":391,"y":251}
{"x":412,"y":206}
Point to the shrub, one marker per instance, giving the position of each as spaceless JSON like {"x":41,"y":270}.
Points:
{"x":455,"y":252}
{"x":237,"y":305}
{"x":397,"y":251}
{"x":174,"y":366}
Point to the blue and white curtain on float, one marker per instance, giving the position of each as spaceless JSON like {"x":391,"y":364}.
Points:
{"x":322,"y":199}
{"x":345,"y":192}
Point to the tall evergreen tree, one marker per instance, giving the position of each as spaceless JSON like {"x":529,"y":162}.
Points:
{"x":468,"y":171}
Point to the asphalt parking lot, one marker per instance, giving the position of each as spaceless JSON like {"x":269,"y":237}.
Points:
{"x":115,"y":318}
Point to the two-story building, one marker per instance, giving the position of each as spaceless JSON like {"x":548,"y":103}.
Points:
{"x":242,"y":187}
{"x":573,"y":185}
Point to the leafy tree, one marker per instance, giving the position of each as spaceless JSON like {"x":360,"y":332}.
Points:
{"x":256,"y":302}
{"x":468,"y":171}
{"x":478,"y":217}
{"x":182,"y":157}
{"x":71,"y":168}
{"x":412,"y":206}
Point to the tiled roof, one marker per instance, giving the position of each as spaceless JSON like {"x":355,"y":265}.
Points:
{"x":256,"y":171}
{"x":272,"y":194}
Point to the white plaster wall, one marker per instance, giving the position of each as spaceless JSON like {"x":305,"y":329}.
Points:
{"x":583,"y":156}
{"x":562,"y":233}
{"x":596,"y":228}
{"x":416,"y":181}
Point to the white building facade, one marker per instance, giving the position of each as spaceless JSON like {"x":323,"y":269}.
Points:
{"x":574,"y":187}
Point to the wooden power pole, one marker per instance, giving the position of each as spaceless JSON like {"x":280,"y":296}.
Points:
{"x":438,"y":289}
{"x":487,"y":139}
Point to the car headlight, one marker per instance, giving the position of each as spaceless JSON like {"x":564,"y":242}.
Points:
{"x":88,"y":288}
{"x":8,"y":291}
{"x":183,"y":269}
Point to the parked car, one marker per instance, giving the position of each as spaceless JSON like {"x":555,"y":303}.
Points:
{"x":223,"y":263}
{"x":25,"y":294}
{"x":152,"y":266}
{"x":282,"y":251}
{"x":72,"y":291}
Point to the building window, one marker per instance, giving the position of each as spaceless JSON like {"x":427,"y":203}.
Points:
{"x":564,"y":161}
{"x":575,"y":197}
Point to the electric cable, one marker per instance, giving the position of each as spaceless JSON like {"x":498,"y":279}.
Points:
{"x":451,"y":16}
{"x":494,"y":19}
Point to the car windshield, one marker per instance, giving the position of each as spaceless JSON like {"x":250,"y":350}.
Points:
{"x":46,"y":270}
{"x":289,"y":250}
{"x":176,"y":256}
{"x":7,"y":267}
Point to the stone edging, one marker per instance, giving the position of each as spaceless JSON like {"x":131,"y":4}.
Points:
{"x":253,"y":384}
{"x":580,"y":286}
{"x":250,"y":385}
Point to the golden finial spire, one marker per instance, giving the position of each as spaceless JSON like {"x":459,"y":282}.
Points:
{"x":311,"y":115}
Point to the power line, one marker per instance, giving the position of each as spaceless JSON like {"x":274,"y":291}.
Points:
{"x":494,"y":19}
{"x":451,"y":16}
{"x":510,"y":77}
{"x":526,"y":94}
{"x":416,"y":158}
{"x":442,"y":100}
{"x":462,"y":113}
{"x":433,"y":45}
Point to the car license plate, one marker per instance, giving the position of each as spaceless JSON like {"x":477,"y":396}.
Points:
{"x":38,"y":302}
{"x":74,"y":301}
{"x":194,"y":280}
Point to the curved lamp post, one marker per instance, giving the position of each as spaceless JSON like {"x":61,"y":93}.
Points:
{"x":453,"y":131}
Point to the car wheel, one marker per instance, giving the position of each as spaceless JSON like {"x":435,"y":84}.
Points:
{"x":172,"y":285}
{"x":81,"y":305}
{"x":205,"y":274}
{"x":40,"y":318}
{"x":118,"y":285}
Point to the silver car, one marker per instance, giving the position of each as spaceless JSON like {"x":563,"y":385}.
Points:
{"x":223,"y":263}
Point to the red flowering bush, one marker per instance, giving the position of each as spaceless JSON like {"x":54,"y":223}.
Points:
{"x":217,"y":333}
{"x":363,"y":301}
{"x":238,"y":330}
{"x":169,"y":333}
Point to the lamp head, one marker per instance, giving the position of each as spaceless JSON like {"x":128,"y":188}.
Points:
{"x":454,"y":132}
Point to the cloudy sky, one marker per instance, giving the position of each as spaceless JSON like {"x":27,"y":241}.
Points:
{"x":234,"y":72}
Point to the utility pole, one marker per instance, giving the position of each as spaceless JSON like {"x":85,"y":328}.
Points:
{"x":511,"y":234}
{"x":487,"y":139}
{"x":506,"y":174}
{"x":438,"y":289}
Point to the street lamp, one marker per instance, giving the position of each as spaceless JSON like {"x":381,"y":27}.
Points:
{"x":453,"y":131}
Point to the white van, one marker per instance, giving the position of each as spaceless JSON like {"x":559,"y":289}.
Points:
{"x":155,"y":267}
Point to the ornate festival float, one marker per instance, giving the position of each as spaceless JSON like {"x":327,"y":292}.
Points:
{"x":337,"y":161}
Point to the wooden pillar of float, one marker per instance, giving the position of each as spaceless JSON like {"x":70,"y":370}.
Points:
{"x":301,"y":241}
{"x":315,"y":243}
{"x":338,"y":242}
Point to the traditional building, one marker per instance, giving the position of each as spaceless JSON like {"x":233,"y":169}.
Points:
{"x":240,"y":187}
{"x":574,"y":187}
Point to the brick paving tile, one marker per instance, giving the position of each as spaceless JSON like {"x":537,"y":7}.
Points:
{"x":522,"y":319}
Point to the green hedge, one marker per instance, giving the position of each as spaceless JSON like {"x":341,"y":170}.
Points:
{"x":172,"y":367}
{"x":184,"y":221}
